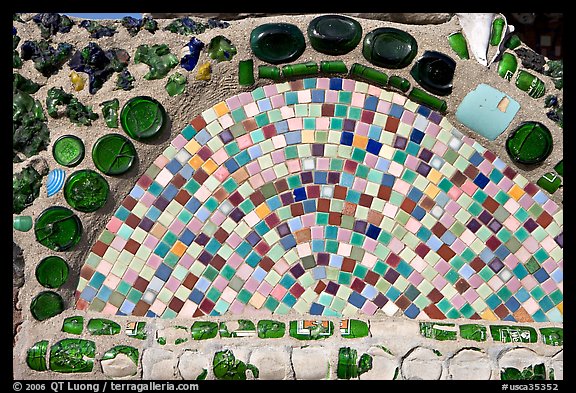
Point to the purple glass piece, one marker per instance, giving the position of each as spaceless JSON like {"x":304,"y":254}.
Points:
{"x":435,"y":117}
{"x":349,"y":125}
{"x":283,"y":229}
{"x":317,"y":150}
{"x":423,"y":169}
{"x":391,"y":276}
{"x":236,"y":215}
{"x":205,"y":257}
{"x":161,"y":203}
{"x":306,"y":177}
{"x":560,"y":240}
{"x":426,"y":155}
{"x":323,"y":259}
{"x":400,"y":142}
{"x":202,"y":239}
{"x":495,"y":225}
{"x":287,"y":198}
{"x":226,"y":136}
{"x":333,"y":177}
{"x":146,"y":224}
{"x":360,"y":226}
{"x":380,"y":300}
{"x":253,"y":238}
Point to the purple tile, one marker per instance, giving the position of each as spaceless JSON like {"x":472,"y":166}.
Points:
{"x":360,"y":226}
{"x":226,"y":136}
{"x":435,"y":117}
{"x":161,"y":203}
{"x":426,"y":154}
{"x":560,"y":240}
{"x":496,"y":265}
{"x":306,"y":177}
{"x":473,"y":225}
{"x":380,"y":300}
{"x":423,"y":169}
{"x":485,"y":217}
{"x":391,"y":276}
{"x":400,"y":142}
{"x":202,"y":239}
{"x":530,"y":225}
{"x":287,"y":198}
{"x":297,"y":270}
{"x":332,"y":288}
{"x":283,"y":229}
{"x":205,"y":257}
{"x":317,"y":150}
{"x":333,"y":177}
{"x":495,"y":225}
{"x":236,"y":215}
{"x":349,"y":125}
{"x":253,"y":238}
{"x":323,"y":259}
{"x":146,"y":224}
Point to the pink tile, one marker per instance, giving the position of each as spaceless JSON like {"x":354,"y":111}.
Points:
{"x":278,"y":292}
{"x":218,"y":217}
{"x":413,"y":225}
{"x":396,"y":169}
{"x":523,"y":254}
{"x":237,"y":307}
{"x":186,"y":260}
{"x":109,"y":309}
{"x":278,"y":156}
{"x":531,"y":244}
{"x":550,"y":206}
{"x":362,"y":128}
{"x":323,"y":123}
{"x":244,"y":141}
{"x":511,"y":205}
{"x":390,"y":210}
{"x":317,"y":232}
{"x":281,"y":266}
{"x":495,"y":283}
{"x":408,"y":117}
{"x":369,"y":308}
{"x":511,"y":223}
{"x":549,"y":286}
{"x":118,"y":243}
{"x":550,"y":265}
{"x":228,"y":295}
{"x":470,"y":296}
{"x":401,"y":186}
{"x":235,"y":260}
{"x":114,"y":224}
{"x":279,"y":141}
{"x":104,"y":267}
{"x":287,"y":112}
{"x":151,"y":242}
{"x":415,"y":278}
{"x":331,"y":96}
{"x":469,"y":187}
{"x":245,"y":98}
{"x":513,"y":284}
{"x":412,"y":162}
{"x":322,"y":163}
{"x":147,"y":199}
{"x":348,"y":84}
{"x":179,"y":141}
{"x":244,"y":271}
{"x":457,"y":301}
{"x":511,"y":261}
{"x":194,"y":225}
{"x":447,"y":220}
{"x":531,"y":306}
{"x":396,"y":246}
{"x":303,"y":249}
{"x":293,"y":165}
{"x":251,"y":109}
{"x":505,"y":184}
{"x":475,"y":281}
{"x":158,"y":307}
{"x":251,"y":285}
{"x":130,"y":276}
{"x":383,"y":107}
{"x":161,"y":161}
{"x":221,"y":174}
{"x":485,"y":167}
{"x":433,"y":130}
{"x":253,"y":167}
{"x":203,"y":193}
{"x":358,"y":99}
{"x":418,"y":263}
{"x":452,"y":207}
{"x":154,"y":261}
{"x":458,"y":246}
{"x":467,"y":236}
{"x":369,"y":260}
{"x":370,"y":245}
{"x":233,"y":102}
{"x":112,"y":281}
{"x":323,"y":83}
{"x":359,"y":184}
{"x":220,"y":283}
{"x":398,"y":99}
{"x":270,"y":90}
{"x":344,"y":235}
{"x":176,"y":226}
{"x":529,"y":282}
{"x":295,"y":124}
{"x":439,"y":282}
{"x":442,"y":267}
{"x":526,"y":201}
{"x":308,"y":220}
{"x":268,"y":175}
{"x":172,"y":284}
{"x":374,"y":91}
{"x":277,"y":101}
{"x":226,"y":121}
{"x":304,"y":96}
{"x":234,"y":240}
{"x":371,"y":160}
{"x":220,"y":156}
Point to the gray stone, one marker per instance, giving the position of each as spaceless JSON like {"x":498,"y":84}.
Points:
{"x":470,"y":364}
{"x":383,"y":365}
{"x":193,"y":363}
{"x":422,"y":363}
{"x":119,"y":367}
{"x":159,"y":364}
{"x":17,"y":266}
{"x":387,"y":328}
{"x":310,"y":363}
{"x":272,"y":362}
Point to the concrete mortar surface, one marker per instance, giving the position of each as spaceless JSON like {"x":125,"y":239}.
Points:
{"x":199,"y":96}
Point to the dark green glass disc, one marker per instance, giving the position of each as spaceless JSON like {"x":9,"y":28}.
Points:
{"x":68,"y":150}
{"x":113,"y":154}
{"x":277,"y":43}
{"x":334,"y":34}
{"x":530,"y":143}
{"x":52,"y":272}
{"x":389,"y":47}
{"x":143,"y":117}
{"x":86,"y":190}
{"x":58,"y":228}
{"x":46,"y":305}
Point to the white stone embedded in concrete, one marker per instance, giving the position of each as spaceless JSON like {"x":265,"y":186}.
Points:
{"x":469,"y":364}
{"x":119,"y":367}
{"x":193,"y":363}
{"x":387,"y":328}
{"x":384,"y":365}
{"x":557,"y":363}
{"x":272,"y":362}
{"x":159,"y":364}
{"x":519,"y":358}
{"x":311,"y":363}
{"x":422,"y":363}
{"x":172,"y":334}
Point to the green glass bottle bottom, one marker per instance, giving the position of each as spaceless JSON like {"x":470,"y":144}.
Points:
{"x":113,"y":154}
{"x":52,"y":272}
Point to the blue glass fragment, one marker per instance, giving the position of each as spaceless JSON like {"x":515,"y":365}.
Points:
{"x":189,"y":61}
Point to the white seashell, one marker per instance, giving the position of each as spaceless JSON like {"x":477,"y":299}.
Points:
{"x":477,"y":28}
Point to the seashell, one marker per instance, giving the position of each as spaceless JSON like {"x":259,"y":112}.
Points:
{"x":55,"y":181}
{"x":477,"y":28}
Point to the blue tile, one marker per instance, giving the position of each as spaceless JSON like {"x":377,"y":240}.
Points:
{"x":273,"y":203}
{"x":373,"y":231}
{"x":412,"y":311}
{"x":288,"y":242}
{"x":371,"y":103}
{"x":346,"y":138}
{"x":309,"y":205}
{"x":415,"y":194}
{"x":416,"y":136}
{"x":396,"y":110}
{"x":196,"y":296}
{"x":163,"y":272}
{"x":418,"y":213}
{"x":320,"y":177}
{"x":88,"y":293}
{"x":388,"y":180}
{"x":476,"y":159}
{"x":231,"y":165}
{"x":127,"y":307}
{"x":291,"y":97}
{"x":173,"y":166}
{"x":373,"y":147}
{"x":289,"y":300}
{"x":170,"y":192}
{"x":316,"y":309}
{"x":541,"y":275}
{"x":281,"y":126}
{"x":512,"y":304}
{"x":192,"y":205}
{"x":187,"y":236}
{"x":318,"y":95}
{"x":186,"y":172}
{"x":335,"y":83}
{"x":203,"y":137}
{"x":356,"y":299}
{"x":424,"y":110}
{"x":293,"y":138}
{"x":299,"y":194}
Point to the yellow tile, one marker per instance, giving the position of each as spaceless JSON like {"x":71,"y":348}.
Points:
{"x":434,"y":176}
{"x":560,"y":307}
{"x":257,"y":300}
{"x":431,"y":190}
{"x":196,"y":162}
{"x":178,"y":248}
{"x":192,"y":146}
{"x":488,"y":315}
{"x":221,"y":108}
{"x":209,"y":166}
{"x":360,"y":141}
{"x":262,"y":211}
{"x":308,"y":136}
{"x":516,"y":192}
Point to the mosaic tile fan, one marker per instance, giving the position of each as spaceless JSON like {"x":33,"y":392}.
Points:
{"x":328,"y":196}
